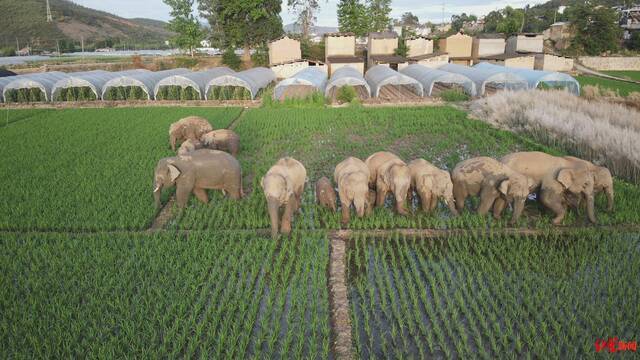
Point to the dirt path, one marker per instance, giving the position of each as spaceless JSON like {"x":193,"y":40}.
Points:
{"x":99,"y":104}
{"x":586,"y":70}
{"x":235,"y":121}
{"x":164,"y":216}
{"x":339,"y":297}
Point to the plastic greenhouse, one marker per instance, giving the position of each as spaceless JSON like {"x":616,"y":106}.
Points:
{"x":537,"y":77}
{"x":241,"y":85}
{"x":304,"y":83}
{"x":138,"y":86}
{"x":86,"y":85}
{"x":190,"y":86}
{"x":389,"y":83}
{"x":4,"y":81}
{"x":347,"y":76}
{"x":434,"y":80}
{"x":488,"y":79}
{"x":35,"y":87}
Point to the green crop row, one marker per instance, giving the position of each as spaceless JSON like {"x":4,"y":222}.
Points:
{"x":321,"y":138}
{"x":177,"y":93}
{"x":490,"y":297}
{"x":25,"y":95}
{"x":229,"y":93}
{"x":83,"y":93}
{"x":125,"y":93}
{"x":620,"y":87}
{"x":86,"y":169}
{"x":163,"y":295}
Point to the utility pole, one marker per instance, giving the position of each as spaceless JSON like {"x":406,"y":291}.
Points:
{"x":443,"y":13}
{"x":82,"y":45}
{"x":49,"y":17}
{"x":58,"y":46}
{"x":17,"y":46}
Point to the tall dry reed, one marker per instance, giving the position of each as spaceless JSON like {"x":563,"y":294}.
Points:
{"x":605,"y":133}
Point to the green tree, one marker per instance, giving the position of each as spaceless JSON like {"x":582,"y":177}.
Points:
{"x":491,"y":21}
{"x":457,"y":21}
{"x":511,"y":21}
{"x":596,"y":29}
{"x":409,"y":20}
{"x":243,"y":23}
{"x":634,"y":42}
{"x":306,"y":10}
{"x":378,"y":14}
{"x":352,"y":17}
{"x":188,"y":31}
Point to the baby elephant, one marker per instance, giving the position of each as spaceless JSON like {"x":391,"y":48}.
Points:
{"x":491,"y":180}
{"x":432,"y":184}
{"x":192,"y":127}
{"x":283,"y":186}
{"x":388,"y":173}
{"x":352,"y":177}
{"x":223,"y":139}
{"x":325,"y":193}
{"x":189,"y":146}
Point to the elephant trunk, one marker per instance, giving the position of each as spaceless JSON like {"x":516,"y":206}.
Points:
{"x":590,"y":208}
{"x":609,"y":191}
{"x":359,"y":204}
{"x":172,"y":141}
{"x":452,"y":205}
{"x":274,"y":207}
{"x":518,"y":207}
{"x":157,"y":192}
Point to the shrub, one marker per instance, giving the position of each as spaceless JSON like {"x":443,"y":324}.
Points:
{"x":453,"y":95}
{"x":230,"y":59}
{"x":346,"y":94}
{"x":186,"y":62}
{"x":260,"y":56}
{"x":7,"y":51}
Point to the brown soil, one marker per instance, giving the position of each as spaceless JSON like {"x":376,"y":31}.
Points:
{"x":339,"y":299}
{"x":164,"y":216}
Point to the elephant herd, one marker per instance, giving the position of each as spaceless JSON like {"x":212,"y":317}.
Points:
{"x":206,"y":160}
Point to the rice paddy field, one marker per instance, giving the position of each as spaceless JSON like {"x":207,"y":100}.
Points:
{"x":83,"y":275}
{"x":621,"y":87}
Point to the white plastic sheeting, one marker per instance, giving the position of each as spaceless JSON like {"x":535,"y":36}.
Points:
{"x":253,"y":80}
{"x":497,"y":77}
{"x":382,"y":75}
{"x":43,"y":81}
{"x":197,"y":80}
{"x":146,"y":80}
{"x":95,"y":80}
{"x":4,"y":81}
{"x":311,"y":76}
{"x":428,"y":77}
{"x":346,"y":76}
{"x":537,"y":77}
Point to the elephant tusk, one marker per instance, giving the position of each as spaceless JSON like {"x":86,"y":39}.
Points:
{"x":156,"y":189}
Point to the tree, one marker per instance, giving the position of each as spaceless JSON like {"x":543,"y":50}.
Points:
{"x":409,"y":20}
{"x":634,"y":41}
{"x":511,"y":22}
{"x":352,"y":17}
{"x":243,"y":23}
{"x":185,"y":25}
{"x":306,"y":10}
{"x":491,"y":21}
{"x":457,"y":21}
{"x":378,"y":14}
{"x":596,"y":29}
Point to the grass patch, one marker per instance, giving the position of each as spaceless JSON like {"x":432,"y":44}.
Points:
{"x":164,"y":295}
{"x":453,"y":95}
{"x":86,"y":169}
{"x":631,"y":75}
{"x":621,"y":87}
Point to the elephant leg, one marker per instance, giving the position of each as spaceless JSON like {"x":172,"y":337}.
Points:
{"x":460,"y":195}
{"x":381,"y":195}
{"x":434,"y":202}
{"x":488,"y":196}
{"x":182,"y":194}
{"x":346,"y":212}
{"x":555,"y":205}
{"x":498,"y":207}
{"x":201,"y":194}
{"x":425,"y":200}
{"x":285,"y":227}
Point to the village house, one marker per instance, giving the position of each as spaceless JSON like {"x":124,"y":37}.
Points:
{"x":487,"y":45}
{"x":340,"y":51}
{"x":458,"y":46}
{"x":284,"y":50}
{"x":381,"y":50}
{"x":525,"y":43}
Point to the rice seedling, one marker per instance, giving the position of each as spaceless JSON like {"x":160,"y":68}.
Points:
{"x":88,"y":169}
{"x":128,"y":93}
{"x":489,"y":297}
{"x":621,"y":87}
{"x":177,"y":93}
{"x":162,"y":295}
{"x":24,"y":95}
{"x":83,"y":93}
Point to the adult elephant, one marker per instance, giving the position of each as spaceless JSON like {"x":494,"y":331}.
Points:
{"x":222,"y":139}
{"x":283,"y":186}
{"x":603,"y":181}
{"x":558,"y":179}
{"x":352,"y":177}
{"x":191,"y":127}
{"x":197,"y":172}
{"x":388,"y":173}
{"x":431,"y":184}
{"x":492,"y":180}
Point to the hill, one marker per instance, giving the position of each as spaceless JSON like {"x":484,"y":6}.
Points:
{"x":71,"y":23}
{"x":318,"y":30}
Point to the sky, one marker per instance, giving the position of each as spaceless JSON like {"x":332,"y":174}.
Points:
{"x":429,"y":10}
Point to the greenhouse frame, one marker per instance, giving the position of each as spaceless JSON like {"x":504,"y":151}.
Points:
{"x":536,"y":77}
{"x":254,"y":80}
{"x":95,"y":80}
{"x":496,"y":78}
{"x":145,"y":81}
{"x":429,"y":78}
{"x":43,"y":81}
{"x":197,"y":80}
{"x":304,"y":82}
{"x":348,"y":76}
{"x":380,"y":76}
{"x":4,"y":81}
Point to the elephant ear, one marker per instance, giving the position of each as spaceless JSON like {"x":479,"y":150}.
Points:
{"x":503,"y":186}
{"x":174,"y":172}
{"x":565,"y":177}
